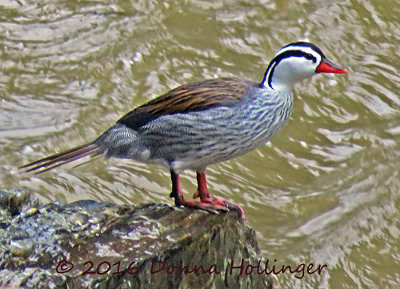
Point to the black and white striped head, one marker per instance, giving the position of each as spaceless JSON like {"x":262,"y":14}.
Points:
{"x":295,"y":62}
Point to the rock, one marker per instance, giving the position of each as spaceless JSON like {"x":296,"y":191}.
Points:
{"x":89,"y":244}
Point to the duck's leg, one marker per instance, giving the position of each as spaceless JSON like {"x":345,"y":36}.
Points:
{"x":176,"y":193}
{"x":204,"y":194}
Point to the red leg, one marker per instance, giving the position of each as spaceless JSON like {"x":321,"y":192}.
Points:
{"x":204,"y":194}
{"x":180,"y":200}
{"x":202,"y":190}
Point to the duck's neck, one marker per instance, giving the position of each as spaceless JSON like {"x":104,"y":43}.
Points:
{"x":277,"y":77}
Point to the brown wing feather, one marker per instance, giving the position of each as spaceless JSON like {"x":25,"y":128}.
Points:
{"x":194,"y":96}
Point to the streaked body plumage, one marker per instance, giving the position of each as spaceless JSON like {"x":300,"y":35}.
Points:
{"x":206,"y":122}
{"x":196,"y":139}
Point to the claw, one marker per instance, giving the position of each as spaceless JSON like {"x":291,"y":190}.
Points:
{"x":205,"y":206}
{"x":229,"y":205}
{"x":212,"y":205}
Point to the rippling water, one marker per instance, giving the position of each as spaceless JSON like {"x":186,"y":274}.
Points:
{"x":324,"y":191}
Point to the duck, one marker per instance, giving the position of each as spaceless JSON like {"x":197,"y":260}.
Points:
{"x":202,"y":123}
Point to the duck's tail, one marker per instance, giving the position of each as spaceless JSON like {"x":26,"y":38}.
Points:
{"x":87,"y":150}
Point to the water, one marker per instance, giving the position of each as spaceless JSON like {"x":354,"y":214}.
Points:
{"x":324,"y":191}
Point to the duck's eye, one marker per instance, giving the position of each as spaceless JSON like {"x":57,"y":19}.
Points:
{"x":309,"y":56}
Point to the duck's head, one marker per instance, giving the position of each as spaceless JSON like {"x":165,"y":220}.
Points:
{"x":295,"y":62}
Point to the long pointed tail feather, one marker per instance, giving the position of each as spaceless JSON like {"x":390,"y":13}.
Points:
{"x":51,"y":162}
